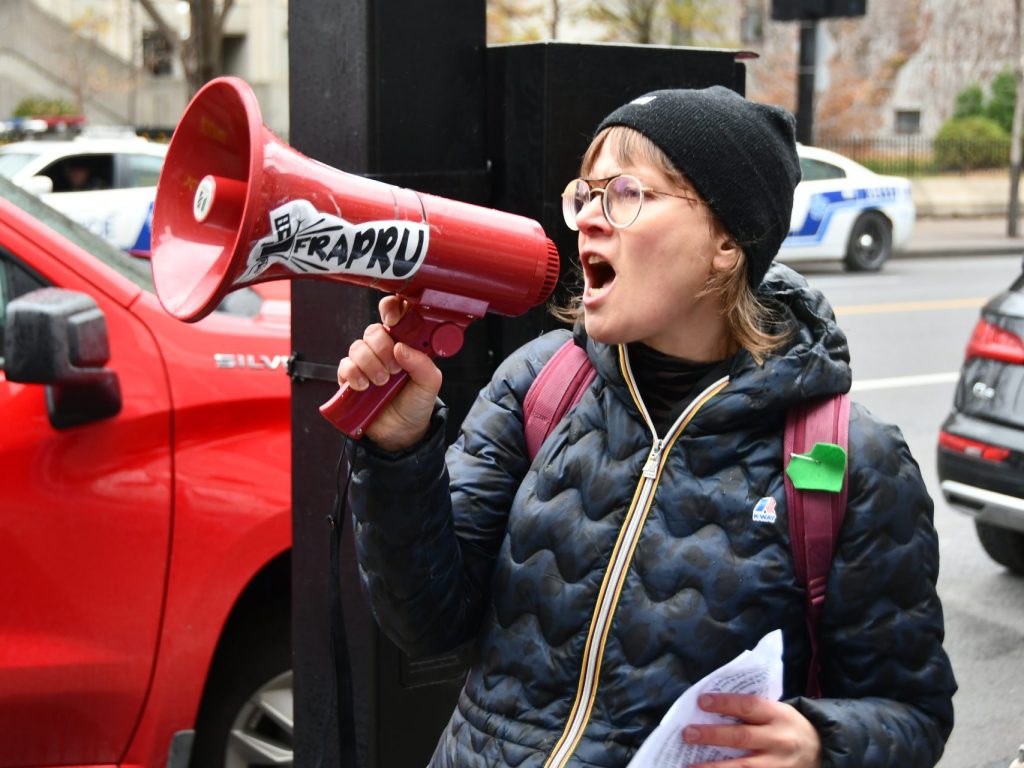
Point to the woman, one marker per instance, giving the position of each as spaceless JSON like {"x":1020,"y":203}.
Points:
{"x":622,"y":565}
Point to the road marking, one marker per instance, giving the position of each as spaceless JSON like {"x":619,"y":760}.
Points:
{"x":827,"y":283}
{"x":911,"y":306}
{"x":896,"y":382}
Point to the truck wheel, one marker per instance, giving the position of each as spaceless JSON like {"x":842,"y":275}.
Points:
{"x":1004,"y":546}
{"x":870,"y":243}
{"x":247,"y":717}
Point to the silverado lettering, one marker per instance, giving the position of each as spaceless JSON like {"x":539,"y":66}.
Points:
{"x":249,"y":361}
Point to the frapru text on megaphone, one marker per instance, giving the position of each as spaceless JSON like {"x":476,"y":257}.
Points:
{"x":236,"y":206}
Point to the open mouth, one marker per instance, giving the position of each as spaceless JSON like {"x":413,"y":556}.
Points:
{"x":599,"y":275}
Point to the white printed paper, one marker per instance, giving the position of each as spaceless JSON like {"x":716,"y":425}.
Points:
{"x":757,"y":673}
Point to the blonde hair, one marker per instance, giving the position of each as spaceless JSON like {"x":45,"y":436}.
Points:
{"x":750,"y":324}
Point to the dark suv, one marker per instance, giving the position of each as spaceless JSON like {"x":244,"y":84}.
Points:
{"x":981,"y":445}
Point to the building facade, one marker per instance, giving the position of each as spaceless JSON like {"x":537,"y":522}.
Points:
{"x":894,"y":72}
{"x":110,"y":59}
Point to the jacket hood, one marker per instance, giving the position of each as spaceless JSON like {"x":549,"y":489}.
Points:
{"x":814,"y":363}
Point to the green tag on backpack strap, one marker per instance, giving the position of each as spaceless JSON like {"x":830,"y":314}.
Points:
{"x":822,"y":469}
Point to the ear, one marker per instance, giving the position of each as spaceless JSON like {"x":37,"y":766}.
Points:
{"x":727,"y":253}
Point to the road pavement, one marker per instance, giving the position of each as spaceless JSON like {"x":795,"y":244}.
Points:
{"x":907,"y":327}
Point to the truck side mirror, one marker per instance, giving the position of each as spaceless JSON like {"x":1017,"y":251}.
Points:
{"x":58,"y":337}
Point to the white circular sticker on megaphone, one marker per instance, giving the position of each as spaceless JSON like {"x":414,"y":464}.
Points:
{"x":203,"y":201}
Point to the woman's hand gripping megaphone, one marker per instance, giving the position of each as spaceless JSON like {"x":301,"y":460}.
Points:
{"x":410,"y":375}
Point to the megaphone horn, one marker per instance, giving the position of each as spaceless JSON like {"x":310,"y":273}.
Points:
{"x":236,"y":206}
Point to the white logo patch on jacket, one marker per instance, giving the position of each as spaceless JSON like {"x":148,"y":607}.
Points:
{"x":764,"y":510}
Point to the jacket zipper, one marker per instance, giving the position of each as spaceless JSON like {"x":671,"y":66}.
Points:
{"x":622,"y":555}
{"x":650,"y":470}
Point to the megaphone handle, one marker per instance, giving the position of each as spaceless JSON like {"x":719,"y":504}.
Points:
{"x":352,"y":411}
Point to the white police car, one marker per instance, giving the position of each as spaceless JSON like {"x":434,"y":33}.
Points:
{"x":842,"y":210}
{"x":105,"y":184}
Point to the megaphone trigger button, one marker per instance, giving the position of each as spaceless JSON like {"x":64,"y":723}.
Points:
{"x":446,"y":339}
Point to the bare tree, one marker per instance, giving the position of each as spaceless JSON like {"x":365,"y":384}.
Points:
{"x":629,"y":21}
{"x":556,"y":15}
{"x":201,"y":52}
{"x":93,"y":75}
{"x":696,"y":22}
{"x":516,"y":20}
{"x":1013,"y":211}
{"x":85,"y":77}
{"x":673,"y":22}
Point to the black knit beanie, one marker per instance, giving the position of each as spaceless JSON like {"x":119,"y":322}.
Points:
{"x":738,"y":154}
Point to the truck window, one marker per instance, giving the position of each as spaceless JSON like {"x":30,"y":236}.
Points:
{"x":15,"y":281}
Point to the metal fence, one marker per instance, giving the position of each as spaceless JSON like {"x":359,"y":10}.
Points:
{"x":919,"y":156}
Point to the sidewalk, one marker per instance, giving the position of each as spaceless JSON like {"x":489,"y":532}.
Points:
{"x":975,"y":236}
{"x":962,"y":215}
{"x":981,"y":193}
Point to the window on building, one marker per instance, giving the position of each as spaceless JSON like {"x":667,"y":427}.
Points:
{"x":908,"y":121}
{"x":157,"y":53}
{"x":233,"y":52}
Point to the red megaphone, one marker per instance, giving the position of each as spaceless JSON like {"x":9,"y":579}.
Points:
{"x":236,"y":206}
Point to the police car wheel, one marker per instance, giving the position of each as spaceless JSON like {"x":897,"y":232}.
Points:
{"x":870,"y":243}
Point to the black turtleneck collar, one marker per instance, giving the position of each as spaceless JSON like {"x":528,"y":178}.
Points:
{"x":667,"y":384}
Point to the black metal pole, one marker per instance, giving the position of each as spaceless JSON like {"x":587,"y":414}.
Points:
{"x":805,"y":81}
{"x":394,"y":90}
{"x":330,"y":105}
{"x":1013,"y":209}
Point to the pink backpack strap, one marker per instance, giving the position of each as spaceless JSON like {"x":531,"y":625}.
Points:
{"x":815,"y":517}
{"x":557,"y":388}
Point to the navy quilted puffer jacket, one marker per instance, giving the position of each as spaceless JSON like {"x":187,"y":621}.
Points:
{"x":616,"y":569}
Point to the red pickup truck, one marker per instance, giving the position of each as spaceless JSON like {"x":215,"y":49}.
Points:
{"x":145,"y":524}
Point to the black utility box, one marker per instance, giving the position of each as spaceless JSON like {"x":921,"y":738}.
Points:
{"x":544,"y":101}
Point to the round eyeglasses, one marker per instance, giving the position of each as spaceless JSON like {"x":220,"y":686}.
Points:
{"x":622,"y":197}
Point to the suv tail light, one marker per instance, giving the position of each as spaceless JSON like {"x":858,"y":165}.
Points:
{"x":992,"y":342}
{"x":972,"y":447}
